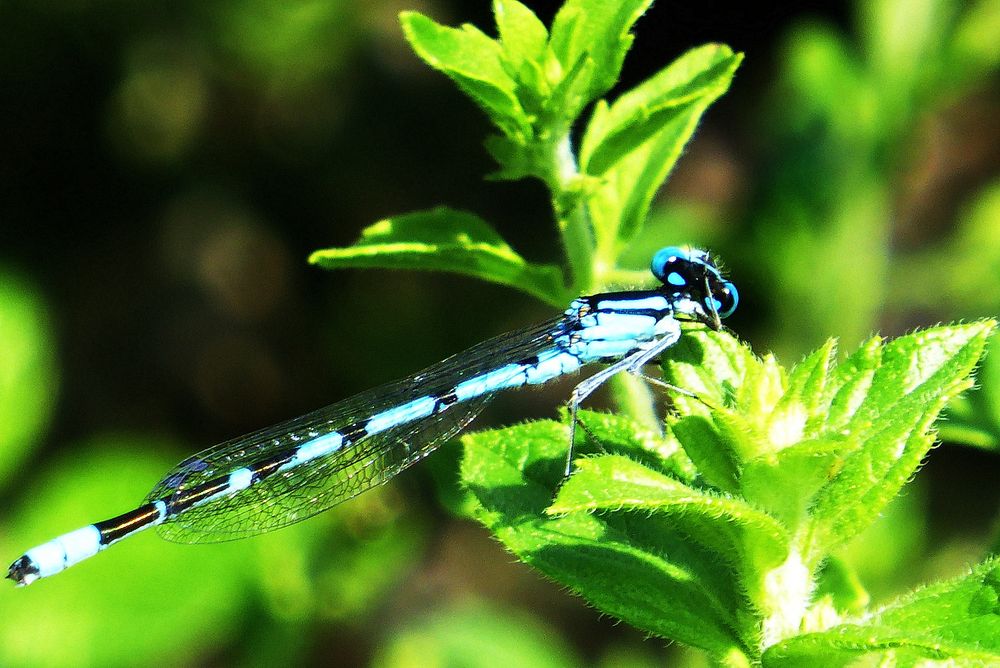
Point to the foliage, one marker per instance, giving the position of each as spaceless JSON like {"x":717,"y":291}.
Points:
{"x":719,"y":533}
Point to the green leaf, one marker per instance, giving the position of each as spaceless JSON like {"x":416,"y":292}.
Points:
{"x":617,"y":434}
{"x":570,"y":95}
{"x":728,"y":389}
{"x":524,"y":40}
{"x":754,"y":541}
{"x":696,"y":78}
{"x":598,"y":31}
{"x":638,"y":569}
{"x":949,"y":623}
{"x":788,"y":466}
{"x":916,"y":375}
{"x":444,"y":239}
{"x":716,"y":371}
{"x":634,"y":144}
{"x":784,"y":483}
{"x":802,"y":409}
{"x":713,"y":456}
{"x":974,"y":418}
{"x":475,"y":63}
{"x":825,"y":446}
{"x":839,"y":584}
{"x":28,"y":377}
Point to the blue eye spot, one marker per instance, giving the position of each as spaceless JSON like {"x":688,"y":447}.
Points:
{"x":673,"y":278}
{"x":663,"y":256}
{"x":733,"y":298}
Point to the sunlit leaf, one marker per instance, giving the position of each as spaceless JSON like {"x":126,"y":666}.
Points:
{"x":915,"y":377}
{"x":474,"y":62}
{"x":633,"y":144}
{"x":597,"y":31}
{"x":956,"y":622}
{"x":444,"y":239}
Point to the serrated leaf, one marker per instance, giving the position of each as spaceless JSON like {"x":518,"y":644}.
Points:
{"x":753,"y":540}
{"x":917,"y":375}
{"x":715,"y":458}
{"x":784,"y":482}
{"x":715,"y":371}
{"x":727,"y":394}
{"x":617,"y":434}
{"x":444,"y":239}
{"x":974,"y":417}
{"x":598,"y":31}
{"x":713,"y":367}
{"x":850,"y":383}
{"x":475,"y":63}
{"x":801,"y":410}
{"x":956,"y":622}
{"x":618,"y":564}
{"x":700,"y":75}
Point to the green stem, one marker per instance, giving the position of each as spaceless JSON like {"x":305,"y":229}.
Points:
{"x":787,"y":590}
{"x":571,"y":213}
{"x":631,"y":394}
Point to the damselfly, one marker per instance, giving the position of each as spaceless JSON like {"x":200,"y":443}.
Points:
{"x":286,"y":473}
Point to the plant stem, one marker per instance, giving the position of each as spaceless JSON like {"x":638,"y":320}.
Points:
{"x":571,"y":213}
{"x":787,"y":591}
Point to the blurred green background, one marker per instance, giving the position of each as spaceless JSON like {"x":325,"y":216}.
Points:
{"x":166,"y":169}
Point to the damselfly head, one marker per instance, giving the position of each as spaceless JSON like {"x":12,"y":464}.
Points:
{"x":692,"y":280}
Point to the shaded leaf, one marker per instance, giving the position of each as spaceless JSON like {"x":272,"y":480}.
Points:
{"x":727,"y":526}
{"x":640,"y":570}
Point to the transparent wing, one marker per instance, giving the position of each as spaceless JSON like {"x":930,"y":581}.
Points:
{"x":316,"y":485}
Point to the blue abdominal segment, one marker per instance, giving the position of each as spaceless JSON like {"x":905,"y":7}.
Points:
{"x":286,"y":473}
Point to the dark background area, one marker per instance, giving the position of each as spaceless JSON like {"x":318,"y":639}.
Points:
{"x":168,"y":275}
